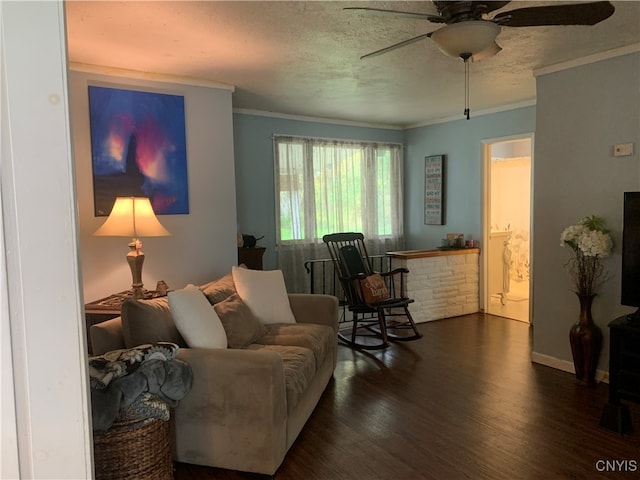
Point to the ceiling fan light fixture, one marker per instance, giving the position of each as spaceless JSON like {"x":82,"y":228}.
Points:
{"x":469,"y":37}
{"x":488,"y":52}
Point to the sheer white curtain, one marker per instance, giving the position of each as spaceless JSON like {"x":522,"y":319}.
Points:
{"x":327,"y":186}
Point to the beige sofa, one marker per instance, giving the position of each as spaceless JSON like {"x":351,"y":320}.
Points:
{"x":247,"y":405}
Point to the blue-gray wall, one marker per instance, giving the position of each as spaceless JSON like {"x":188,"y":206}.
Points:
{"x":461,"y":142}
{"x":255,"y":190}
{"x":581,"y":114}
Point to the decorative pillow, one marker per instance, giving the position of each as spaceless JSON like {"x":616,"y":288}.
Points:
{"x":265,"y":294}
{"x":196,"y":321}
{"x":372,"y":289}
{"x":219,"y":289}
{"x":240,"y":324}
{"x":148,"y":321}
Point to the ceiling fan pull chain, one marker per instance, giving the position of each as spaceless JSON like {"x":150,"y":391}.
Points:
{"x":466,"y":88}
{"x":465,"y":58}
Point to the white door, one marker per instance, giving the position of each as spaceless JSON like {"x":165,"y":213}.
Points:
{"x":507,"y":227}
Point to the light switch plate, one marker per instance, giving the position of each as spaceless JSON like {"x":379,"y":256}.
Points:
{"x":622,"y":149}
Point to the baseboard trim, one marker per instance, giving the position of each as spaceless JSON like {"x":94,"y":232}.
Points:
{"x":565,"y":365}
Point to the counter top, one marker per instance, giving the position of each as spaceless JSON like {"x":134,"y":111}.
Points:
{"x":435,"y":252}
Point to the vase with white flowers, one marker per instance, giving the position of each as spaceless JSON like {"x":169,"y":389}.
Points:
{"x":590,"y":242}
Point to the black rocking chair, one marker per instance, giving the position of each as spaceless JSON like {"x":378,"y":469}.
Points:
{"x":374,"y":320}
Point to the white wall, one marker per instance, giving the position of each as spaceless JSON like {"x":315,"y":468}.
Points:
{"x":48,"y":434}
{"x":203,"y":243}
{"x":510,"y":206}
{"x":581,"y":113}
{"x":510,"y":183}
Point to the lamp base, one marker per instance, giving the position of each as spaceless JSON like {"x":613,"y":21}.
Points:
{"x":138,"y":293}
{"x":135,"y":259}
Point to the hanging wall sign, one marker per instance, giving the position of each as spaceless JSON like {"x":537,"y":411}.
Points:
{"x":434,"y":190}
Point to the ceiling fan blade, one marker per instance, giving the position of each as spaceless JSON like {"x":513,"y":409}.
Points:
{"x":396,"y":45}
{"x":424,"y":16}
{"x":488,"y":52}
{"x":457,"y":11}
{"x":570,"y":14}
{"x":491,"y":6}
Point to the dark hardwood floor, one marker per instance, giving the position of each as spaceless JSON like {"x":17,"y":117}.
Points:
{"x":463,"y":402}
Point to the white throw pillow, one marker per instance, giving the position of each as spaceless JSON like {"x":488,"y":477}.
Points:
{"x":264,"y":293}
{"x":195,"y":319}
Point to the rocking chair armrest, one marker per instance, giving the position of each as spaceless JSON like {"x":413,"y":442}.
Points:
{"x":395,"y":271}
{"x":396,"y":290}
{"x":357,"y":276}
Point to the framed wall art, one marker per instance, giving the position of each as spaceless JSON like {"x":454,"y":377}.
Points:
{"x":138,"y":148}
{"x":434,"y":190}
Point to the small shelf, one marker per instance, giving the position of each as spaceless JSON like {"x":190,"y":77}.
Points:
{"x":115,"y":300}
{"x":630,"y":362}
{"x":634,"y":396}
{"x":624,"y":374}
{"x":251,"y":257}
{"x":107,"y":308}
{"x":630,"y":355}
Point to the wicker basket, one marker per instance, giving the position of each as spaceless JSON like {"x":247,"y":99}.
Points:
{"x":134,"y":450}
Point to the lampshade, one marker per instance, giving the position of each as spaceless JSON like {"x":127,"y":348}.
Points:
{"x":132,"y":217}
{"x":469,"y":37}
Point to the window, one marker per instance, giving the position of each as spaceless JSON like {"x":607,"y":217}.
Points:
{"x":325,"y":186}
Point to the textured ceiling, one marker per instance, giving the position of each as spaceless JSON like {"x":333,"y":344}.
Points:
{"x":302,"y":58}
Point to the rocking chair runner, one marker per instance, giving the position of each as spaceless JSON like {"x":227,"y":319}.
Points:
{"x":374,"y":299}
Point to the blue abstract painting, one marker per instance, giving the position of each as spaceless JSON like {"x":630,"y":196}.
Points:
{"x":138,"y":147}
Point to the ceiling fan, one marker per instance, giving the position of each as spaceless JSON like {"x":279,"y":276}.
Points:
{"x":469,"y":32}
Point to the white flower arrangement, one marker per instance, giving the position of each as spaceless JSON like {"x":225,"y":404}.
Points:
{"x":591,"y":242}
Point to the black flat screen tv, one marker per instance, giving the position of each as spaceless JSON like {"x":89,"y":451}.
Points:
{"x":630,"y":292}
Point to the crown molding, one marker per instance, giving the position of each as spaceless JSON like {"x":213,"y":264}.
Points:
{"x":303,"y":118}
{"x":596,"y":57}
{"x":477,"y":113}
{"x":156,"y":77}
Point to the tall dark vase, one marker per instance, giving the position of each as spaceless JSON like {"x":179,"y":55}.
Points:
{"x":586,"y":343}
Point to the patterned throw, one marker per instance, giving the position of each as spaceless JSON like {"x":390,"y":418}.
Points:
{"x":137,"y":383}
{"x":105,"y":368}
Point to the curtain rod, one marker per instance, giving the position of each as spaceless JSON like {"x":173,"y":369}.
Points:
{"x":378,"y":142}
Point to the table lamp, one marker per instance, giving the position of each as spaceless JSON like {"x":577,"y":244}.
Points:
{"x":133,"y":217}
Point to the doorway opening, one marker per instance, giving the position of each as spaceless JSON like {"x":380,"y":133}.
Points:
{"x":507,"y":227}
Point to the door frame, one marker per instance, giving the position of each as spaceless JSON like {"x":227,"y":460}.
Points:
{"x":485,"y":214}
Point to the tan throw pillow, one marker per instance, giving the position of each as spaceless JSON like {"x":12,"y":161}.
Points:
{"x":240,"y":324}
{"x":148,"y":321}
{"x":265,"y":294}
{"x":219,"y":289}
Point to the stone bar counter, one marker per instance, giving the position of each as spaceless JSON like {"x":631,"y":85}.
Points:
{"x":443,"y":283}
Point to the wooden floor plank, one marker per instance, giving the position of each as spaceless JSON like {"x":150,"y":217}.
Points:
{"x":463,"y":402}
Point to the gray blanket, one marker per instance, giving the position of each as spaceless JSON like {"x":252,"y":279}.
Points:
{"x":148,"y":391}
